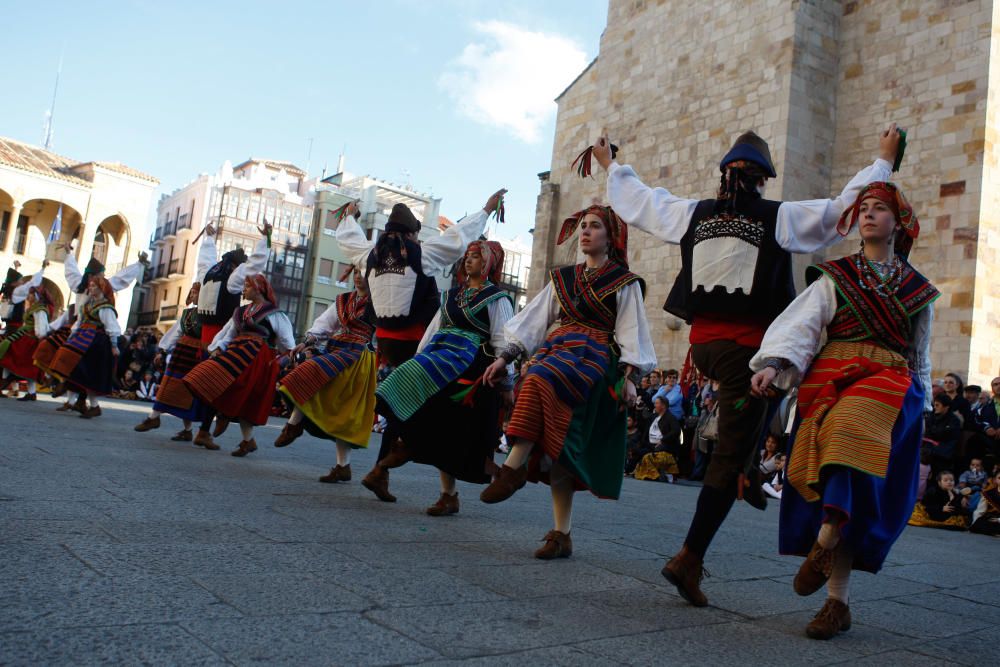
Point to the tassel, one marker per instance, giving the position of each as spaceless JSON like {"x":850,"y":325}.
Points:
{"x":584,"y":161}
{"x":900,"y":151}
{"x":500,"y":212}
{"x":467,"y":396}
{"x":341,"y":213}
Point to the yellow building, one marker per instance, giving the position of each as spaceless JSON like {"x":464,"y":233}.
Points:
{"x":105,"y":206}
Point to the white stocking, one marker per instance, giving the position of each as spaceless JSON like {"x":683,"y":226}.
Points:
{"x":246,"y":428}
{"x":447,"y":483}
{"x":840,"y":577}
{"x":296,"y":417}
{"x":92,"y":397}
{"x":187,"y":424}
{"x":155,"y":414}
{"x":343,"y":454}
{"x":519,"y":454}
{"x":32,"y":386}
{"x":561,"y":483}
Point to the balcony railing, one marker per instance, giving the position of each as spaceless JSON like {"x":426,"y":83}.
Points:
{"x":160,"y":273}
{"x":148,"y":318}
{"x":184,"y":222}
{"x":168,"y":312}
{"x":174,"y":266}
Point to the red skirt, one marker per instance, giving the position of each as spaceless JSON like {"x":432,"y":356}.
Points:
{"x":49,"y":345}
{"x":19,"y":358}
{"x":239,"y":382}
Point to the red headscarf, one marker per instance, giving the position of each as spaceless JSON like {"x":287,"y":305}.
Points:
{"x":106,"y":289}
{"x":616,"y":228}
{"x":889,"y":194}
{"x":43,"y":297}
{"x":492,"y":254}
{"x":262,"y":285}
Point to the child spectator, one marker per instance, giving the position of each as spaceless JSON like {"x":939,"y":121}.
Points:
{"x":986,"y":519}
{"x":767,"y":456}
{"x":772,"y":485}
{"x":970,"y":483}
{"x":941,"y":506}
{"x":942,"y":429}
{"x":147,"y":388}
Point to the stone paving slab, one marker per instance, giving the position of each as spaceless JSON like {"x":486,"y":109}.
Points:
{"x":126,"y":548}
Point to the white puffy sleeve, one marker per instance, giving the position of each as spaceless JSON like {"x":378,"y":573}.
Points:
{"x":921,"y":351}
{"x":169,"y":339}
{"x":20,"y":292}
{"x":440,"y":252}
{"x":60,"y":321}
{"x":429,"y":332}
{"x":111,"y":326}
{"x":127,"y":276}
{"x":501,"y":310}
{"x":41,"y":324}
{"x":72,"y":271}
{"x":352,"y":240}
{"x":527,"y":329}
{"x":632,"y":330}
{"x":808,"y":226}
{"x":797,"y":333}
{"x":326,"y":324}
{"x":283,"y":330}
{"x":256,"y":264}
{"x":653,"y":210}
{"x":226,"y":334}
{"x":208,"y":255}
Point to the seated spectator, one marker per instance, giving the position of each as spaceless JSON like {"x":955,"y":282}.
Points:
{"x":705,"y":435}
{"x":972,"y":394}
{"x":768,"y":464}
{"x":671,"y":393}
{"x":986,"y":518}
{"x":147,"y":388}
{"x":128,"y":386}
{"x":633,"y":444}
{"x":663,"y":441}
{"x":941,"y":506}
{"x":941,"y":432}
{"x":954,"y":388}
{"x":773,"y":483}
{"x":970,"y":483}
{"x":985,"y":444}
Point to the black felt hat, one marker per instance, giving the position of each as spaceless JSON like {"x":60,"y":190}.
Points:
{"x":751,"y":148}
{"x":401,"y":219}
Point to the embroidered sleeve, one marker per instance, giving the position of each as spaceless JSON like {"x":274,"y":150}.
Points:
{"x":797,"y":333}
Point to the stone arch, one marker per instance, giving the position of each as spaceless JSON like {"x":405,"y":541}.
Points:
{"x":40,"y":214}
{"x":111,"y":242}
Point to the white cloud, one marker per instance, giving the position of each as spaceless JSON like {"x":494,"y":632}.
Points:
{"x":509,"y":77}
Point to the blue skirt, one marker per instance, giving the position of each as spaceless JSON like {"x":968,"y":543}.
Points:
{"x":877,"y":509}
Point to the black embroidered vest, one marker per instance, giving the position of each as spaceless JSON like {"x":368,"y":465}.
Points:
{"x":400,"y":299}
{"x":215,"y":303}
{"x":731,"y":263}
{"x":591,"y":300}
{"x":257,"y":324}
{"x":355,"y":316}
{"x":191,"y":322}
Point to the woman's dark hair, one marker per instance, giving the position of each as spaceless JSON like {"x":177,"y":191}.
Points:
{"x":942,"y":473}
{"x":943,"y":399}
{"x":958,"y":381}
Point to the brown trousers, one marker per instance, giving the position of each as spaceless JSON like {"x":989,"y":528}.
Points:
{"x":741,"y":415}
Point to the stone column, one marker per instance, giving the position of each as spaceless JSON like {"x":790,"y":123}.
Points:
{"x":12,"y":231}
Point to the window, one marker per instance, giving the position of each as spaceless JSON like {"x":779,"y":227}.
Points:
{"x":326,"y":267}
{"x":4,"y":229}
{"x":319,"y":308}
{"x":21,"y":235}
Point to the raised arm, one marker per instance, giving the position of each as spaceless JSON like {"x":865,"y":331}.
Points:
{"x":71,"y":269}
{"x":653,"y":210}
{"x":440,"y":252}
{"x":353,"y":242}
{"x":20,"y":292}
{"x":208,"y":253}
{"x":256,"y":264}
{"x":127,"y":276}
{"x":809,"y":226}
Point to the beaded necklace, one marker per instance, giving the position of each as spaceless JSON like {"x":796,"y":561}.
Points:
{"x":467,"y":294}
{"x":883,"y":278}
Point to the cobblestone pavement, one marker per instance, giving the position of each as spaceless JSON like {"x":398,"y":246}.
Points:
{"x":126,"y":548}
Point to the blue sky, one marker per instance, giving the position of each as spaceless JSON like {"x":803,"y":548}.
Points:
{"x":458,"y":94}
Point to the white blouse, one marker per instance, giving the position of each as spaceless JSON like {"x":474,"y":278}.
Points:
{"x":802,"y":226}
{"x":119,"y":281}
{"x":528,"y":328}
{"x":20,"y":292}
{"x":278,"y":321}
{"x":327,"y":324}
{"x":436,"y":254}
{"x":798,"y":333}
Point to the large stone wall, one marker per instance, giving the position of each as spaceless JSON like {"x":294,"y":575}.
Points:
{"x":674,"y":83}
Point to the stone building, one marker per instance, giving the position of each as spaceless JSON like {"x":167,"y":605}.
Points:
{"x":675,"y":82}
{"x":105,"y":206}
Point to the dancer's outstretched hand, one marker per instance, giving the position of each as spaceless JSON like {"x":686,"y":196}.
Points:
{"x":761,"y":380}
{"x":494,"y":200}
{"x":630,"y":394}
{"x":352,"y":210}
{"x":602,"y":150}
{"x":888,"y":143}
{"x":496,"y":372}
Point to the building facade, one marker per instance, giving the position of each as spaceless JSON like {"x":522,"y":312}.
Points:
{"x":236,"y":201}
{"x":104,"y":210}
{"x":674,"y":83}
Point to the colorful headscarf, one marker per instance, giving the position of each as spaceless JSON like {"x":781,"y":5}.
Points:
{"x":42,"y":297}
{"x":615,"y":226}
{"x":263,"y":285}
{"x":106,"y":289}
{"x":889,"y":194}
{"x":492,"y":254}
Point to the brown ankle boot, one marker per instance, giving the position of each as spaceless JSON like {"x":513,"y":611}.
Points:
{"x":444,"y":506}
{"x":65,"y":407}
{"x":399,"y":455}
{"x":685,"y":571}
{"x":245,"y":448}
{"x":506,"y":484}
{"x":221,"y":424}
{"x":203,"y":439}
{"x":288,"y":434}
{"x":182,"y":436}
{"x":90,"y":413}
{"x":148,"y":424}
{"x":337,"y":473}
{"x":814,"y":571}
{"x":834,"y":617}
{"x":377,"y":481}
{"x":557,"y":545}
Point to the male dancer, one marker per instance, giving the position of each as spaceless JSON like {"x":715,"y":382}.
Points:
{"x":736,"y":277}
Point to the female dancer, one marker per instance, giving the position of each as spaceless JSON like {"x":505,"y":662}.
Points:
{"x":86,"y":363}
{"x":442,"y":384}
{"x":333,"y":394}
{"x":239,"y":380}
{"x":568,"y":422}
{"x":18,"y":347}
{"x":854,"y":453}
